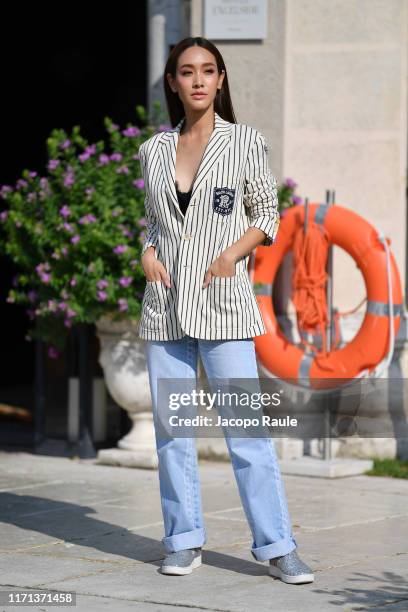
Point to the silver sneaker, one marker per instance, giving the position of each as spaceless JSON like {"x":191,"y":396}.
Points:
{"x":181,"y":562}
{"x":289,"y":568}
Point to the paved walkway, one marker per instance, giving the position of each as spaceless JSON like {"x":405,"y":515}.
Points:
{"x":96,"y":530}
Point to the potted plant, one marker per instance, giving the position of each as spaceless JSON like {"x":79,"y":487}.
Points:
{"x":76,"y":235}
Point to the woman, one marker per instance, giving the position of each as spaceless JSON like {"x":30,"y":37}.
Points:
{"x":210,"y":200}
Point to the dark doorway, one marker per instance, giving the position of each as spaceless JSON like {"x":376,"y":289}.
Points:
{"x":62,"y":66}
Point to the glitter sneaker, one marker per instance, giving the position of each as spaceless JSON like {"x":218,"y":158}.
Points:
{"x":289,"y":568}
{"x":181,"y":562}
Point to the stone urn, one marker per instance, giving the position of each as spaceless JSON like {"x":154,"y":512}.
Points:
{"x":123,"y":360}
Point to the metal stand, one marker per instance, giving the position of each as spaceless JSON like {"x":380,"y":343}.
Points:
{"x":327,"y":446}
{"x":84,"y":445}
{"x":39,"y":400}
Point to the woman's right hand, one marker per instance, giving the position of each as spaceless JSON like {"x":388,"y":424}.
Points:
{"x":153,"y":268}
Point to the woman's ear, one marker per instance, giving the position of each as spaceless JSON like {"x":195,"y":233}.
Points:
{"x":221,"y":79}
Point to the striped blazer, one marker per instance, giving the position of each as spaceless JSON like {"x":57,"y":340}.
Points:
{"x":233,"y":190}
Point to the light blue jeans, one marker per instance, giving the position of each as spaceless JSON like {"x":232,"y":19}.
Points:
{"x":254,"y":460}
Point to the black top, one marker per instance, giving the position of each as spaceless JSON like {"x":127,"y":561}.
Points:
{"x":183,"y":199}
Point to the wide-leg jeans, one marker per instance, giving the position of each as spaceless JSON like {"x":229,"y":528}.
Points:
{"x":254,"y":460}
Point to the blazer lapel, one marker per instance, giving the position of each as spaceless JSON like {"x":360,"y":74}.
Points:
{"x":215,"y":150}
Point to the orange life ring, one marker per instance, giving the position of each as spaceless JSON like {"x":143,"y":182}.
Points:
{"x":355,"y":235}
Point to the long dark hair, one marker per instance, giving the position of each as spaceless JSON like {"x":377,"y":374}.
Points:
{"x":222,"y":102}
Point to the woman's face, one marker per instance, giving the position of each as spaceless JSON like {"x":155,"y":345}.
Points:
{"x":196,"y":74}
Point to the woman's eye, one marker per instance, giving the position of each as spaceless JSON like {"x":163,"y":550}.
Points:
{"x":189,"y":72}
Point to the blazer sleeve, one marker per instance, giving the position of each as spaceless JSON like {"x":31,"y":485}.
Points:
{"x":151,"y":226}
{"x":260,"y":194}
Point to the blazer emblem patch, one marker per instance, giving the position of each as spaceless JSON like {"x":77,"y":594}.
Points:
{"x":223,"y":200}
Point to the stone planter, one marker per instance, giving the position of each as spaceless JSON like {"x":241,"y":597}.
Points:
{"x":123,"y":360}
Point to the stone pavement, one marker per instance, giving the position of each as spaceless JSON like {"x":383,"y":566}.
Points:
{"x":96,"y":530}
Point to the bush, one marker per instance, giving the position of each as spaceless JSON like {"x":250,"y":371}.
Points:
{"x":76,"y":233}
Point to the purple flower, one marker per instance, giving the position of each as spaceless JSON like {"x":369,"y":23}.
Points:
{"x":45,"y":277}
{"x":64,"y":250}
{"x":122,"y":170}
{"x":123,"y":305}
{"x":121,"y":248}
{"x":131,"y":131}
{"x":68,"y":323}
{"x":65,"y":144}
{"x":64,"y":294}
{"x":53,"y":353}
{"x":75,"y":239}
{"x":21,"y":183}
{"x":31,"y":197}
{"x":125,"y":281}
{"x":10,"y":299}
{"x":5,"y":189}
{"x":102,"y":284}
{"x":32,"y":295}
{"x":134,"y":263}
{"x":290,"y":183}
{"x":32,"y":174}
{"x":142,"y":237}
{"x":53,"y":164}
{"x":68,"y":227}
{"x":44,"y":183}
{"x":65,"y":211}
{"x":116,"y":157}
{"x":62,"y":305}
{"x":136,"y":156}
{"x":103,"y":159}
{"x":40,"y":268}
{"x":125,"y":230}
{"x":296,"y":199}
{"x":139,"y":183}
{"x":55,"y":255}
{"x":142,"y":222}
{"x":69,"y":179}
{"x":73,"y":282}
{"x":89,"y":218}
{"x":89,"y":191}
{"x":71,"y":312}
{"x":102,"y":295}
{"x":90,"y":150}
{"x":115,"y":213}
{"x":4,"y":215}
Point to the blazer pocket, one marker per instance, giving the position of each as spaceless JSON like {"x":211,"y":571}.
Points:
{"x":227,"y":281}
{"x":154,"y":305}
{"x":229,"y":302}
{"x":156,"y":295}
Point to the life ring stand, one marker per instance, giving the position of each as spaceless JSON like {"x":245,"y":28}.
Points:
{"x":364,"y":352}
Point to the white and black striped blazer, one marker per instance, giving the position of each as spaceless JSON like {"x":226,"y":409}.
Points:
{"x":233,"y":190}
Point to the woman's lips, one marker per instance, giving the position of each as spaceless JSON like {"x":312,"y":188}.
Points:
{"x":196,"y":95}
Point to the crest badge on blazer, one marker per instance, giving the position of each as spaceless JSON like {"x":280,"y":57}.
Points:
{"x":223,"y":200}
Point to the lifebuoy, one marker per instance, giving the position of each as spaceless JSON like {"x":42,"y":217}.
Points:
{"x":355,"y":235}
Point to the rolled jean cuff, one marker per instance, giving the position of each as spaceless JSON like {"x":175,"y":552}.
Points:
{"x":182,"y":541}
{"x":278,"y":549}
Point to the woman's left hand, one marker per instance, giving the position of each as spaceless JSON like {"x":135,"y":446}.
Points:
{"x":223,"y":266}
